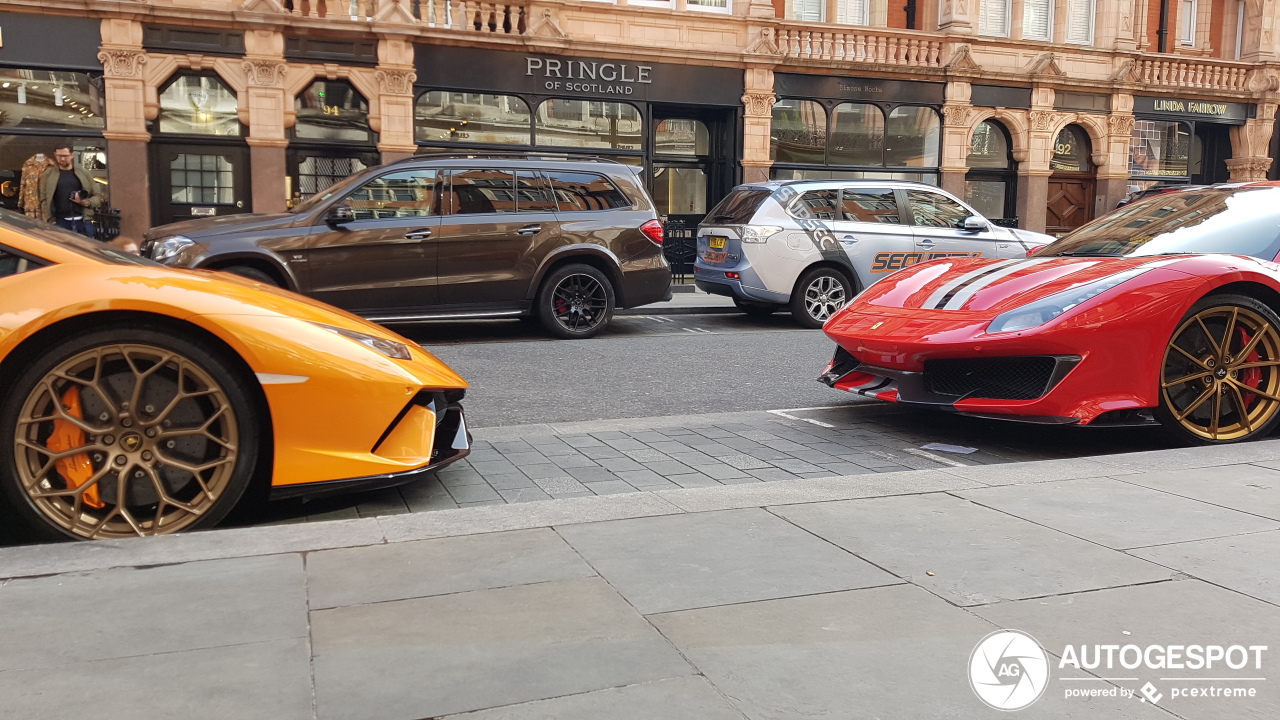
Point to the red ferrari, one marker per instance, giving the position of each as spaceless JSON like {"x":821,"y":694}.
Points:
{"x":1163,"y":311}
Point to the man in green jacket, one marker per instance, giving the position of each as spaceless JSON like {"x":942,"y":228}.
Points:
{"x":68,"y":194}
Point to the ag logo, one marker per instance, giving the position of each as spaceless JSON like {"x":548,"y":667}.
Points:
{"x":1008,"y":670}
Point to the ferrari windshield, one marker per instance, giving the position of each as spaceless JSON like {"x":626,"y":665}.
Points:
{"x":1232,"y":220}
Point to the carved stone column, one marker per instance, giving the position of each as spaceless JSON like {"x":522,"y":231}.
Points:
{"x":1259,"y":42}
{"x":757,"y":120}
{"x":1113,"y":176}
{"x":124,"y":78}
{"x":1251,"y":142}
{"x":268,"y":104}
{"x":957,"y":115}
{"x":394,"y":104}
{"x":1033,"y":175}
{"x":959,"y":17}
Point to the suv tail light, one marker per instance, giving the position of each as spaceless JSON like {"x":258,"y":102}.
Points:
{"x":654,"y":231}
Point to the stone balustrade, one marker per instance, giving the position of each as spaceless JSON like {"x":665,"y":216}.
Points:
{"x":861,"y":45}
{"x":1203,"y":74}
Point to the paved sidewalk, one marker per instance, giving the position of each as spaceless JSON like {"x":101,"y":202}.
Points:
{"x":563,"y":460}
{"x":852,"y":597}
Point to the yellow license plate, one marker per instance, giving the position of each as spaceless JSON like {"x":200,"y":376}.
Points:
{"x":717,"y":243}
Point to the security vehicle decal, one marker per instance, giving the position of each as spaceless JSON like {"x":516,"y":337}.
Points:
{"x":823,"y":239}
{"x":887,"y":262}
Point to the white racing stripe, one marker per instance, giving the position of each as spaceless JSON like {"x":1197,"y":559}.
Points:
{"x":964,"y":296}
{"x":933,"y":457}
{"x":945,"y":290}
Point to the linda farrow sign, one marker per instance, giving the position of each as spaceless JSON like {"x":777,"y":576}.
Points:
{"x":1201,"y":110}
{"x":492,"y":71}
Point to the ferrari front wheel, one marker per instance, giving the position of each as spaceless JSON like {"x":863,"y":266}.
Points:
{"x":126,"y":432}
{"x":1220,"y":379}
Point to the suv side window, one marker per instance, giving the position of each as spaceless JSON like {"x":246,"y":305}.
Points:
{"x":12,"y":264}
{"x":482,"y":192}
{"x":930,"y":209}
{"x":533,"y":194}
{"x":872,"y":205}
{"x":817,"y":205}
{"x":578,"y":191}
{"x":411,"y":193}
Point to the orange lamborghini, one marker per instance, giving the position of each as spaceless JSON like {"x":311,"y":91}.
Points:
{"x":139,"y":400}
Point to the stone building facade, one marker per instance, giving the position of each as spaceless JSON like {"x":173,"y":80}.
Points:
{"x":1045,"y":112}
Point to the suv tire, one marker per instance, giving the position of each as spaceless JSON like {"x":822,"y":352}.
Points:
{"x":575,"y":302}
{"x":819,"y":293}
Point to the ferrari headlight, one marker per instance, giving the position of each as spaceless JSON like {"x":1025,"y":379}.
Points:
{"x":169,"y":247}
{"x":757,"y":233}
{"x":1042,"y":311}
{"x":390,"y":348}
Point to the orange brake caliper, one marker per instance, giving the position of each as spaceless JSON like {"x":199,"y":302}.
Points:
{"x":76,"y":469}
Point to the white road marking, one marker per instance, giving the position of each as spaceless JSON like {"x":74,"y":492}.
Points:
{"x":933,"y":457}
{"x":697,"y":331}
{"x":658,"y":318}
{"x":783,"y":413}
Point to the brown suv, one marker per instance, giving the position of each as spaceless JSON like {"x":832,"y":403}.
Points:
{"x":439,"y":237}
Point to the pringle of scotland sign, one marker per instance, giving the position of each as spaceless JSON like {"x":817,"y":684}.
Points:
{"x":490,"y":71}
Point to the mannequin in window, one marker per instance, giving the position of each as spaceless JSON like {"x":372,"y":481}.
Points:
{"x":29,"y":185}
{"x":68,"y":195}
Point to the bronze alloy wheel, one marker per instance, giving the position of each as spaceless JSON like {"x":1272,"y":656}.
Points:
{"x":1221,"y":374}
{"x":122,"y":440}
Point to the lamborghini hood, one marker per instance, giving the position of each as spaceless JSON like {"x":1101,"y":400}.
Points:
{"x":992,"y":286}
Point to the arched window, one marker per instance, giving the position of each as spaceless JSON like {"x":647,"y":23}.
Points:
{"x":198,"y":105}
{"x":798,"y":133}
{"x":990,"y":185}
{"x":682,"y":136}
{"x":1071,"y":151}
{"x":911,"y":137}
{"x":332,"y":110}
{"x":441,"y":116}
{"x":857,"y":135}
{"x":589,"y":124}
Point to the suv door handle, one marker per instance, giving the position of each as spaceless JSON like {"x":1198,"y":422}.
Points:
{"x":420,"y":234}
{"x":926,"y":242}
{"x":529,"y":230}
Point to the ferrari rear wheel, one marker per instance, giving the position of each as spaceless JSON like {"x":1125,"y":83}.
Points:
{"x":1220,"y":379}
{"x":126,"y":432}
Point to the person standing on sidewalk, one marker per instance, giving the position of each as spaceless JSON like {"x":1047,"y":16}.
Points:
{"x":67,"y":194}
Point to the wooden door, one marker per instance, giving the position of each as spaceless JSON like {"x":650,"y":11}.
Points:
{"x":192,"y":181}
{"x":1070,"y":204}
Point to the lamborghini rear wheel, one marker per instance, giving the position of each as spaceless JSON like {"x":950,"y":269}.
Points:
{"x":1220,"y":379}
{"x":126,"y":432}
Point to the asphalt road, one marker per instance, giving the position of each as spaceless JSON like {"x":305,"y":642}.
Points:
{"x":644,"y":367}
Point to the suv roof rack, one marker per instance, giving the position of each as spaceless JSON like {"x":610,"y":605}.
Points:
{"x":513,"y":155}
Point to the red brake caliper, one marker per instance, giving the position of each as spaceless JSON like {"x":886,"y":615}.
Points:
{"x":1251,"y":377}
{"x":76,"y":469}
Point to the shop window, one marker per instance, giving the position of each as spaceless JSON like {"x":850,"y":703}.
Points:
{"x":332,"y":110}
{"x":1080,"y":15}
{"x":577,"y":191}
{"x":1070,"y":150}
{"x":29,"y":155}
{"x":798,"y":133}
{"x":680,"y":190}
{"x":1159,"y":149}
{"x":869,"y":205}
{"x":857,"y":135}
{"x":583,"y":124}
{"x":403,"y":194}
{"x":198,"y":105}
{"x":993,"y":18}
{"x":51,"y":99}
{"x":989,"y":147}
{"x":930,"y":209}
{"x":911,"y":137}
{"x":481,"y":192}
{"x":472,"y":118}
{"x":683,"y":136}
{"x":782,"y":173}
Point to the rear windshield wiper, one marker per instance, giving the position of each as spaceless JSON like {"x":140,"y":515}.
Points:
{"x":1082,"y":253}
{"x":720,"y":218}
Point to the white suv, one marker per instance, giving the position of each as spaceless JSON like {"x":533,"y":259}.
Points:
{"x":814,"y":244}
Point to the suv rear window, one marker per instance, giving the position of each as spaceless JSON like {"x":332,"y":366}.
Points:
{"x":577,"y":191}
{"x":739,"y":206}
